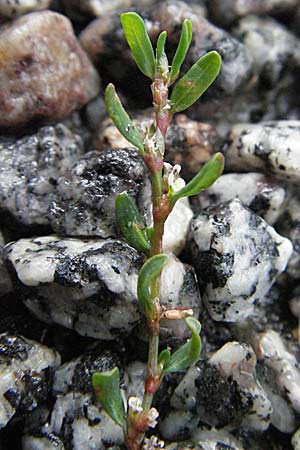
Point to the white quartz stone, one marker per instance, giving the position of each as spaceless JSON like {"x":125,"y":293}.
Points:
{"x":176,"y":227}
{"x":271,"y":147}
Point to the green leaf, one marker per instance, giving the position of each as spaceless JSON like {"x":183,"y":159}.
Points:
{"x":150,"y":270}
{"x":139,"y":42}
{"x":183,"y":46}
{"x":131,"y":223}
{"x":209,"y":173}
{"x":196,"y":80}
{"x":164,"y":357}
{"x":161,"y":63}
{"x":188,"y":353}
{"x":160,"y":46}
{"x":149,"y":233}
{"x":121,"y":119}
{"x":107,"y":389}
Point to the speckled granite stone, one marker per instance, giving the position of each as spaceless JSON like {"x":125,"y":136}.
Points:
{"x":29,"y":168}
{"x":26,"y":369}
{"x":76,"y":421}
{"x":268,"y":147}
{"x":84,"y":201}
{"x":237,"y":257}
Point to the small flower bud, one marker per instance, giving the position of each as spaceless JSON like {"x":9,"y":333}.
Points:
{"x":152,"y":416}
{"x":175,"y":314}
{"x":153,"y":443}
{"x":135,"y":405}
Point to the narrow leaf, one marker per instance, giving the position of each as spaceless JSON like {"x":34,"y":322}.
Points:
{"x":183,"y":46}
{"x":209,"y":173}
{"x":107,"y":389}
{"x":139,"y":42}
{"x":149,"y":233}
{"x":161,"y":63}
{"x":131,"y":223}
{"x":150,"y":270}
{"x":196,"y":80}
{"x":164,"y":357}
{"x":160,"y":46}
{"x":121,"y":119}
{"x":188,"y":353}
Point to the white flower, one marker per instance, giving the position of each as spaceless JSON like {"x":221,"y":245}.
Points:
{"x":152,"y":443}
{"x":152,"y":416}
{"x":168,"y":167}
{"x":167,"y":105}
{"x":135,"y":404}
{"x":175,"y":183}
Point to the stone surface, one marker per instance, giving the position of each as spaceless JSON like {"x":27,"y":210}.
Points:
{"x":29,"y":168}
{"x":45,"y":74}
{"x":229,"y":11}
{"x":26,"y":369}
{"x":94,"y":8}
{"x":15,"y":8}
{"x":289,"y":226}
{"x":209,"y":441}
{"x":237,"y":362}
{"x":88,"y":286}
{"x":84,"y":203}
{"x":274,"y":49}
{"x":259,"y":193}
{"x":279,"y":374}
{"x":191,"y":144}
{"x":176,"y":227}
{"x":76,"y":420}
{"x":237,"y":257}
{"x":5,"y":281}
{"x":224,"y":390}
{"x":269,"y":147}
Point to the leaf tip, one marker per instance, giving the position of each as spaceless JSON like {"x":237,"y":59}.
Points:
{"x":220,"y":159}
{"x":217,"y":57}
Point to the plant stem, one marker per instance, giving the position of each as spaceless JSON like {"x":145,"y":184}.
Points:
{"x":155,"y":166}
{"x":153,"y":376}
{"x":156,"y":181}
{"x":151,"y":369}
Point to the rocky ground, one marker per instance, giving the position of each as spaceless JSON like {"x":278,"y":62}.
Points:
{"x":68,"y":304}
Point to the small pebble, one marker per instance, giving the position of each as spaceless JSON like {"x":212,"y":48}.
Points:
{"x":268,"y":147}
{"x":227,"y":12}
{"x":76,"y":419}
{"x":84,"y":201}
{"x":25,"y":370}
{"x":85,"y":285}
{"x":15,"y":8}
{"x":259,"y":193}
{"x":29,"y":168}
{"x":237,"y":258}
{"x":45,"y":74}
{"x":274,"y":49}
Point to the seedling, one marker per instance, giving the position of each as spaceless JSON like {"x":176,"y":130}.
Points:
{"x":167,"y":187}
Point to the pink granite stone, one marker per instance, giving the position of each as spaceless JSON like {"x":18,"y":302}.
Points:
{"x":44,"y":72}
